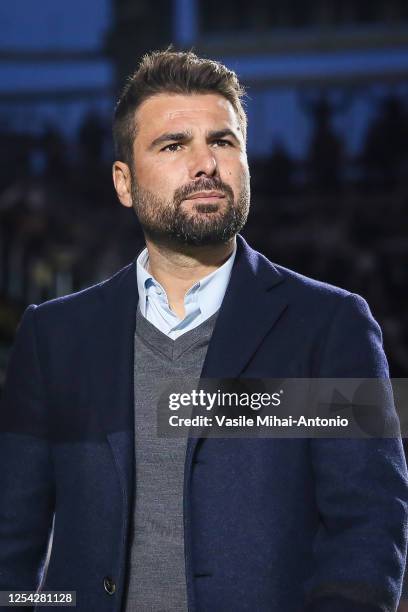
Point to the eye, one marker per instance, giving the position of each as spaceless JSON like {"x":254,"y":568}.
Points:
{"x":174,"y":146}
{"x":222,"y":142}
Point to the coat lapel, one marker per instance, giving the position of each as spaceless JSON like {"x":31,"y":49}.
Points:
{"x":249,"y":309}
{"x":248,"y":312}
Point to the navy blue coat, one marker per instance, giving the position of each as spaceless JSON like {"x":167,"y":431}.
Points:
{"x":281,"y":525}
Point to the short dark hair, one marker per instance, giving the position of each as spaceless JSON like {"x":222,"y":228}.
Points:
{"x":169,"y":71}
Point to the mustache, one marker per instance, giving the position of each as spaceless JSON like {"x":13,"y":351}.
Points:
{"x":205,"y":184}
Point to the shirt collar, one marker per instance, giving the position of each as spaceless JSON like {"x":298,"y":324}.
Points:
{"x":209,"y":290}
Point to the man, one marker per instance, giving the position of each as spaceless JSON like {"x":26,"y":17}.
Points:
{"x":148,"y":523}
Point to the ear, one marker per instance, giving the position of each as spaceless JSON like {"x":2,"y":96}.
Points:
{"x":122,"y":181}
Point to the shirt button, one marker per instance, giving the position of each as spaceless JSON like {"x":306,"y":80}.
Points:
{"x":109,"y":585}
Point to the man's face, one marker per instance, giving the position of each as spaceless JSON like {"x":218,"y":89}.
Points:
{"x":190,"y":178}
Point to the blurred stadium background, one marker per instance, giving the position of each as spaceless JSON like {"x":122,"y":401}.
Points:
{"x":327,"y":82}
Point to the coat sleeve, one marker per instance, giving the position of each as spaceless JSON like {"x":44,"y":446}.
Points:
{"x":361,"y":485}
{"x":26,"y":483}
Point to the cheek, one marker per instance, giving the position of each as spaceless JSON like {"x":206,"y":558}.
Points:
{"x":153,"y":178}
{"x":244,"y":172}
{"x":158,"y":178}
{"x":236,"y":174}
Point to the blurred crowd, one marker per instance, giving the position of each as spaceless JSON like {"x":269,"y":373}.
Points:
{"x":337,"y":217}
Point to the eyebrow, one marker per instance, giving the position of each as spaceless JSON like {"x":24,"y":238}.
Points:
{"x":186,"y":136}
{"x":217,"y":134}
{"x":170,"y":136}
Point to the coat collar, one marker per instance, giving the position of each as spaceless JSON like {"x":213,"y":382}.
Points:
{"x":249,"y":310}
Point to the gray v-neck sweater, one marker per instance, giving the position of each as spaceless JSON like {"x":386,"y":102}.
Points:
{"x":157,"y":579}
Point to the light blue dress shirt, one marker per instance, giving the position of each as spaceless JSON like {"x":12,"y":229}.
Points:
{"x":201,"y":301}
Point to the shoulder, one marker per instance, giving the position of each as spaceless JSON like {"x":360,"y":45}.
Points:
{"x":341,"y":319}
{"x":350,"y":340}
{"x":311,"y":301}
{"x":89,"y":295}
{"x":333,"y":304}
{"x":76,"y":312}
{"x":305,"y":291}
{"x":270,"y":274}
{"x":314,"y":293}
{"x":310,"y":287}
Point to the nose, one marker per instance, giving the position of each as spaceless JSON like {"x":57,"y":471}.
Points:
{"x":202,"y":163}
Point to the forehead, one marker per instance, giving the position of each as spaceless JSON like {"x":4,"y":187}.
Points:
{"x":175,"y":111}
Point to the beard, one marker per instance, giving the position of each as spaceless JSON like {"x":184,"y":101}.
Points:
{"x":199,"y":224}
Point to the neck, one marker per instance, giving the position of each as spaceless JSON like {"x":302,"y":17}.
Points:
{"x":178,"y":267}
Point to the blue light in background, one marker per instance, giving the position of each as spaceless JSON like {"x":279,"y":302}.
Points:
{"x":185,"y":23}
{"x":51,"y":24}
{"x":345,"y":64}
{"x":273,"y":109}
